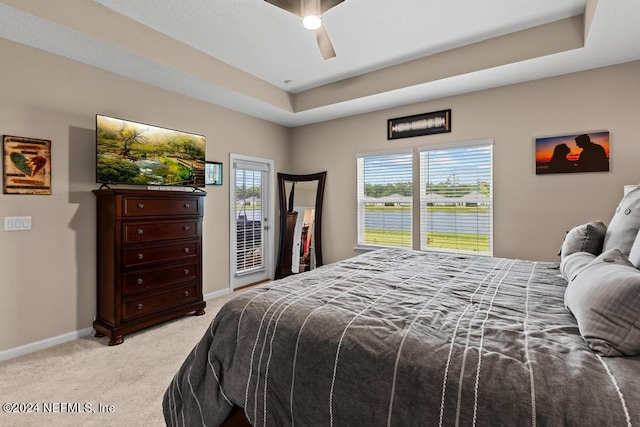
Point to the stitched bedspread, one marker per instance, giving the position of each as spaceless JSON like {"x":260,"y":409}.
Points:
{"x":404,"y":338}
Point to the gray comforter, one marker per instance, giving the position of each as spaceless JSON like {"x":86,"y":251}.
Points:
{"x":404,"y":338}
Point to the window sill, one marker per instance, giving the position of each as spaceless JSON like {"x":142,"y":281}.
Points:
{"x":363,"y":249}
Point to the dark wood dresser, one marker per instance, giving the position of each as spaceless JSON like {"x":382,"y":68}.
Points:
{"x":149,"y":259}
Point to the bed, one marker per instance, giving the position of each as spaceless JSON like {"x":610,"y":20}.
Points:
{"x":399,"y":337}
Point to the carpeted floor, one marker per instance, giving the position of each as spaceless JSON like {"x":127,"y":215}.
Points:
{"x":117,"y":386}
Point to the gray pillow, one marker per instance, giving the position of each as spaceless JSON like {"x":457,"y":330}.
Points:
{"x":574,"y":263}
{"x":587,"y":237}
{"x":604,"y":298}
{"x":624,"y":225}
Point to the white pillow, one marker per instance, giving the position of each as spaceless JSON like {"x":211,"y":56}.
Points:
{"x":634,"y":254}
{"x":624,"y":225}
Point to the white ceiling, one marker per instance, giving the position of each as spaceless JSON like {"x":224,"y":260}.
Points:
{"x":269,"y":43}
{"x":252,"y":57}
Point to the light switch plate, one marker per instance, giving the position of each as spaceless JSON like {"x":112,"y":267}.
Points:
{"x":17,"y":223}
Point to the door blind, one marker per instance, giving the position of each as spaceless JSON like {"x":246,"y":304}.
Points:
{"x":249,"y":236}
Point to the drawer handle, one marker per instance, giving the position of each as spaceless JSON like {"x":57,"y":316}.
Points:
{"x":186,"y":250}
{"x":139,"y":306}
{"x":186,"y":228}
{"x":140,"y":231}
{"x":140,"y":205}
{"x":140,"y":256}
{"x":185,"y":293}
{"x":139,"y":281}
{"x":186,"y":271}
{"x":187,"y":205}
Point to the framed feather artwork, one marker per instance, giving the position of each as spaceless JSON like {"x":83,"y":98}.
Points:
{"x":27,"y":165}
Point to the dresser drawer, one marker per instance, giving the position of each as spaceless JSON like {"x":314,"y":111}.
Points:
{"x":144,"y":255}
{"x":140,"y":307}
{"x":143,"y":206}
{"x":157,"y":278}
{"x":136,"y":232}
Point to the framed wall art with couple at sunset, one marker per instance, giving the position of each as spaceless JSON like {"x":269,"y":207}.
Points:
{"x":580,"y":152}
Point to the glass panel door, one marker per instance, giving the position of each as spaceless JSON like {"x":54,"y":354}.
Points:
{"x":250,"y":230}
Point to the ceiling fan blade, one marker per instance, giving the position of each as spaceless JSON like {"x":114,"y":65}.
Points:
{"x":324,"y":43}
{"x":293,"y":6}
{"x":328,"y":4}
{"x":296,"y":7}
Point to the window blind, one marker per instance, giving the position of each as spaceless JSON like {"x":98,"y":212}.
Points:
{"x":456,"y":197}
{"x":249,"y":235}
{"x":385,"y":186}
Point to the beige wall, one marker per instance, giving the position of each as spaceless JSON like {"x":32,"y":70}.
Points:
{"x":47,"y":284}
{"x":47,"y":279}
{"x":532,"y":212}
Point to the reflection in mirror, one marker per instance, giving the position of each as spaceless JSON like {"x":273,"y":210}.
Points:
{"x":300,"y":247}
{"x":301,"y":205}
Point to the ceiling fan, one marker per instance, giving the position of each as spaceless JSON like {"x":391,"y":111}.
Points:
{"x":311,"y":13}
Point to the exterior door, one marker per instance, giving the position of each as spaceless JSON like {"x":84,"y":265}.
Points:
{"x":251,"y":212}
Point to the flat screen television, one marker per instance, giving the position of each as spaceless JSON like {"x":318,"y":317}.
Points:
{"x":139,"y":154}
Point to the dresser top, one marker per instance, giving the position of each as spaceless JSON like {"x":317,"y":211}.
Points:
{"x":147,"y":193}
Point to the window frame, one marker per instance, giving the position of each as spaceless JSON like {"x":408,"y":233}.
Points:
{"x":417,"y":232}
{"x":360,"y":243}
{"x":422,"y":193}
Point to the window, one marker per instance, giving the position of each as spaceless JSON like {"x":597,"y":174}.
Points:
{"x":385,"y":199}
{"x":456,"y":202}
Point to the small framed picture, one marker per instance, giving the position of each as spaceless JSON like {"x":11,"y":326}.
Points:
{"x":27,"y":165}
{"x":213,"y":173}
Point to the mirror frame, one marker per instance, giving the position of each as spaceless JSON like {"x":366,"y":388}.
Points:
{"x":317,"y":236}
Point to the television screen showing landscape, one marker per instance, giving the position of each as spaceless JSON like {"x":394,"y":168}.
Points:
{"x":136,"y":153}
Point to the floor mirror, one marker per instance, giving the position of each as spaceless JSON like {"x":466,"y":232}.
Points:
{"x":300,"y":242}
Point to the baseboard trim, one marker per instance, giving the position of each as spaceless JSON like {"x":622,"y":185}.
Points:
{"x":216,"y":294}
{"x":39,"y":345}
{"x":70,"y":336}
